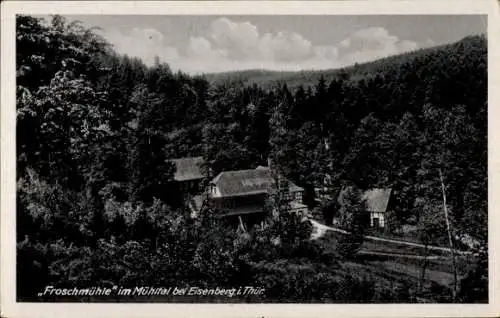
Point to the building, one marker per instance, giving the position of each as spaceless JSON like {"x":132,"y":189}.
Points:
{"x":188,"y":174}
{"x":323,"y":189}
{"x":245,"y":192}
{"x":377,"y":205}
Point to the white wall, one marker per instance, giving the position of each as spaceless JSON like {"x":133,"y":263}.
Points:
{"x":380,"y":216}
{"x":214,"y":192}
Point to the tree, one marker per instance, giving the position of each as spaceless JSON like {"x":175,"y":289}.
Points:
{"x":321,"y":99}
{"x":42,"y":48}
{"x":60,"y":112}
{"x":362,"y":164}
{"x":151,"y":172}
{"x":474,"y":286}
{"x":278,"y":137}
{"x":279,"y":147}
{"x":445,"y":135}
{"x":353,"y":218}
{"x":329,"y":210}
{"x":430,"y":228}
{"x":228,"y":136}
{"x":215,"y":257}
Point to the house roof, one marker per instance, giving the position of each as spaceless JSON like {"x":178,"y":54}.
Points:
{"x":187,"y":168}
{"x":377,"y":199}
{"x":246,"y":182}
{"x":296,"y":205}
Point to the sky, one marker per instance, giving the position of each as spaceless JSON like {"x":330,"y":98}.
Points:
{"x":206,"y":44}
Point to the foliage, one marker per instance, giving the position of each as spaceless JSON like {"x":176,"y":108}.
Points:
{"x":474,"y":286}
{"x":353,"y":218}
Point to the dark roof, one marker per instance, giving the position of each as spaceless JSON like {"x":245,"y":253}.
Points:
{"x":246,"y":182}
{"x":187,"y":168}
{"x":377,"y":200}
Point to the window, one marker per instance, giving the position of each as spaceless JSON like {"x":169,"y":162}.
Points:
{"x":376,"y":222}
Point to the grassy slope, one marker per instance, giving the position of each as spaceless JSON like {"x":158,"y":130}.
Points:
{"x":389,"y":269}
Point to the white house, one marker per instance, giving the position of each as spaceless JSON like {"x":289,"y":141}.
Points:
{"x":377,"y":204}
{"x":245,"y":192}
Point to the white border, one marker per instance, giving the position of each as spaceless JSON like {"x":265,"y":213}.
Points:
{"x":373,"y":7}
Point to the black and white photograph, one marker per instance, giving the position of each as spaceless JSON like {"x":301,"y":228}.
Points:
{"x":251,"y":158}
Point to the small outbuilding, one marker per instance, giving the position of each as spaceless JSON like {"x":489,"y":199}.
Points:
{"x":378,"y":203}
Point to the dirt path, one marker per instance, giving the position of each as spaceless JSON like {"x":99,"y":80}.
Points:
{"x":321,"y":229}
{"x":430,"y":257}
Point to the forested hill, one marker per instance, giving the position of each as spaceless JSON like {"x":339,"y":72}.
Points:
{"x":267,"y":78}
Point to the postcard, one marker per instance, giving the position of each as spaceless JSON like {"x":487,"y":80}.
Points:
{"x":249,"y":158}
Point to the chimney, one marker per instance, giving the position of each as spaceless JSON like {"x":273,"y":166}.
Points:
{"x":269,"y":162}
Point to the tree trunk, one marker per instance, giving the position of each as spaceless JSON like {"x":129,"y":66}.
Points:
{"x":450,"y":240}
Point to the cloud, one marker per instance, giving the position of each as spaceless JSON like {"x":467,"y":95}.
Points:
{"x":240,"y":39}
{"x":428,"y":43}
{"x":243,"y":41}
{"x":326,"y":52}
{"x":145,"y":43}
{"x":232,"y":45}
{"x":372,"y":43}
{"x":200,"y":47}
{"x":285,"y":46}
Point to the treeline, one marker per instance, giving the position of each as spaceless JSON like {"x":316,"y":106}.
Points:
{"x":96,"y":201}
{"x":267,"y":79}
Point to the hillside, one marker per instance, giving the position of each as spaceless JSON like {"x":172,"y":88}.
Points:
{"x":267,"y":78}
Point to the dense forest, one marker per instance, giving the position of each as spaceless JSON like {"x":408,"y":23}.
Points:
{"x":96,"y":201}
{"x":268,"y":79}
